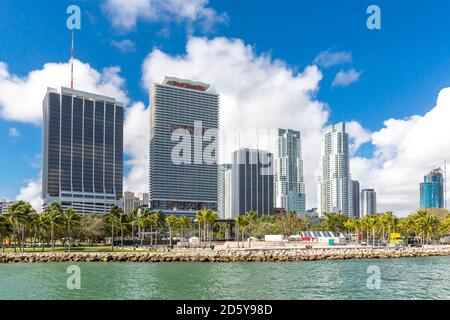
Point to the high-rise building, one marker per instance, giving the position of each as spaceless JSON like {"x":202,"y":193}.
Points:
{"x":132,"y":201}
{"x":223,"y":188}
{"x":4,"y":205}
{"x":289,"y":183}
{"x":183,"y":171}
{"x":82,"y":151}
{"x":355,"y":199}
{"x":368,"y":202}
{"x":252,"y":182}
{"x":432,"y":190}
{"x":334,"y":187}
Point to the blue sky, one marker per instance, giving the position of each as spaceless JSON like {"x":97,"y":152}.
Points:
{"x":403,"y":66}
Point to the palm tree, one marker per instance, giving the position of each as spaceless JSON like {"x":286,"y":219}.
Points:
{"x":6,"y":229}
{"x":200,"y":217}
{"x":123,"y":221}
{"x":53,"y":218}
{"x":372,"y":221}
{"x":159,"y":219}
{"x":70,"y":219}
{"x":351,"y":224}
{"x":18,"y":214}
{"x":250,"y":220}
{"x":430,"y":224}
{"x":34,"y":225}
{"x":185,"y":223}
{"x":114,"y":214}
{"x":172,"y":223}
{"x":210,"y":218}
{"x":142,"y":222}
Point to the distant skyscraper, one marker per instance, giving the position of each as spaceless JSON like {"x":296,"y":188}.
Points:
{"x":368,"y":202}
{"x":82,"y":151}
{"x":289,"y":183}
{"x":223,"y":188}
{"x":432,"y":190}
{"x":4,"y":205}
{"x":181,"y":181}
{"x":132,"y":201}
{"x":251,"y":182}
{"x":334,"y":188}
{"x":355,"y":199}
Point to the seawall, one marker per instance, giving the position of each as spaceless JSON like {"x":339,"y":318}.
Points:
{"x":230,"y":255}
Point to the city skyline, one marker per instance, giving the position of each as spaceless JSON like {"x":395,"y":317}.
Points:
{"x":397,"y":127}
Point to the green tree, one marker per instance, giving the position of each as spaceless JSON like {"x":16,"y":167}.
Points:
{"x":185,"y":223}
{"x":18,"y":215}
{"x":6,"y":229}
{"x":113,"y":216}
{"x":53,"y":219}
{"x":172,"y":223}
{"x":69,"y":220}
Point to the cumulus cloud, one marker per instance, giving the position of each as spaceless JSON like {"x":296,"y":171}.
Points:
{"x":14,"y":134}
{"x":331,"y":58}
{"x":405,"y":149}
{"x":256,"y":92}
{"x":124,"y":14}
{"x":346,"y":78}
{"x":136,"y":129}
{"x":357,"y":135}
{"x":32,"y":193}
{"x":124,"y":46}
{"x":21,"y":98}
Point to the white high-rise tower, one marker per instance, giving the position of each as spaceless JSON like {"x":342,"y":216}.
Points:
{"x":334,"y":189}
{"x":289,"y":184}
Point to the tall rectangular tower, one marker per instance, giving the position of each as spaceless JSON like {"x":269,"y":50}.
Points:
{"x":82,"y":151}
{"x":334,"y":187}
{"x":432,"y":190}
{"x":183,"y":171}
{"x":289,"y":183}
{"x":251,"y":182}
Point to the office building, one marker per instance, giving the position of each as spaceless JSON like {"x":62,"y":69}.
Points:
{"x":4,"y":205}
{"x":355,"y":199}
{"x":334,"y":187}
{"x":183,"y":171}
{"x":223,"y":188}
{"x":432,"y":190}
{"x":132,"y":201}
{"x":289,"y":183}
{"x":368,"y":202}
{"x":252,"y":182}
{"x":82,"y":151}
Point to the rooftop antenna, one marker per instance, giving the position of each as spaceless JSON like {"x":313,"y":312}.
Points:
{"x":72,"y":55}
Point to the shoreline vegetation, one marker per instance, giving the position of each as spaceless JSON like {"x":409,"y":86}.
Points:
{"x":229,"y":255}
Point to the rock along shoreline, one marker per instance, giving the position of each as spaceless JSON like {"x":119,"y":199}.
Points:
{"x":229,"y":255}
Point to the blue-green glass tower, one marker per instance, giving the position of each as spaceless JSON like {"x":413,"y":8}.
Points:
{"x":432,"y":190}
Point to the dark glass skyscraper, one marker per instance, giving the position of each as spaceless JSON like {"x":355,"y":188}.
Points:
{"x":432,"y":190}
{"x":82,"y":151}
{"x":252,"y":182}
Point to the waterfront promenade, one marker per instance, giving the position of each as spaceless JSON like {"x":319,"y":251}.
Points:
{"x":231,"y":255}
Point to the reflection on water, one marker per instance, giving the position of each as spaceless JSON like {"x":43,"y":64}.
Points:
{"x":417,"y":278}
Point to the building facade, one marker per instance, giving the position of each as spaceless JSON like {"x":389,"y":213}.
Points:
{"x":432,"y":190}
{"x":368,"y":202}
{"x":289,"y":183}
{"x":132,"y":201}
{"x":334,"y":187}
{"x":356,"y":199}
{"x":252,"y":182}
{"x":82,"y":151}
{"x":4,"y":205}
{"x":223,"y":188}
{"x":183,"y":171}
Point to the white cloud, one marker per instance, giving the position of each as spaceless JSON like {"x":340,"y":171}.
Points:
{"x":357,"y":135}
{"x":32,"y":193}
{"x":331,"y":58}
{"x":256,"y":92}
{"x":14,"y":134}
{"x":404,"y":151}
{"x":136,"y":129}
{"x":125,"y":46}
{"x":346,"y":78}
{"x":21,"y":97}
{"x":124,"y":14}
